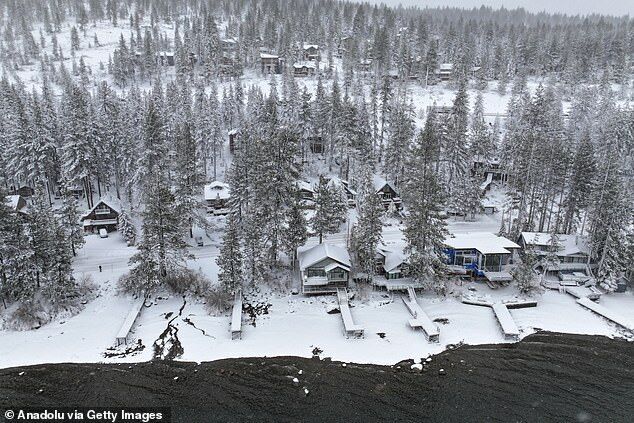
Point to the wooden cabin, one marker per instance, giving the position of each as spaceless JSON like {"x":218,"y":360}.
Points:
{"x":104,"y":215}
{"x":306,"y":190}
{"x":390,"y":263}
{"x":445,"y":71}
{"x":316,"y":145}
{"x":217,"y":195}
{"x":166,"y":58}
{"x":23,"y":191}
{"x":305,"y":68}
{"x":573,"y":251}
{"x":323,"y":268}
{"x":270,"y":63}
{"x":388,"y":194}
{"x":311,"y":52}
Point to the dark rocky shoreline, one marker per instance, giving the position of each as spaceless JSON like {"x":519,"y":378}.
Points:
{"x":547,"y":377}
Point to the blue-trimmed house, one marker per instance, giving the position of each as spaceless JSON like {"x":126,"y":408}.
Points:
{"x":481,"y":254}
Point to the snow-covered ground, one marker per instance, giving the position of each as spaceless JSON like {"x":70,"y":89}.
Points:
{"x":294,"y":325}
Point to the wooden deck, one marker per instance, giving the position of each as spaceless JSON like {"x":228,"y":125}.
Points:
{"x":350,"y":328}
{"x":126,"y":327}
{"x":607,"y":313}
{"x":420,"y":320}
{"x":236,"y":317}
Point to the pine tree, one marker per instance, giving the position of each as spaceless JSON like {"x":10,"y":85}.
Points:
{"x":296,"y":233}
{"x":330,"y":209}
{"x":230,"y":259}
{"x":126,"y":227}
{"x":524,"y":275}
{"x":17,"y":274}
{"x":424,"y":224}
{"x":368,"y":232}
{"x":71,"y":219}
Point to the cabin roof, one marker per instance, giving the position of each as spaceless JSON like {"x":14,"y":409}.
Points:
{"x":13,"y":201}
{"x":380,"y":182}
{"x":484,"y":242}
{"x":269,"y":56}
{"x":568,"y":244}
{"x":304,"y":64}
{"x":309,"y":46}
{"x":305,"y":186}
{"x":112,"y":203}
{"x":217,"y":191}
{"x":312,"y":255}
{"x":393,"y":258}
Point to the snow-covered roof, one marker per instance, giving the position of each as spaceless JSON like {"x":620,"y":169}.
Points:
{"x":380,"y":182}
{"x":13,"y":201}
{"x":305,"y":186}
{"x":309,"y":46}
{"x":484,"y":242}
{"x":233,"y":132}
{"x":304,"y":64}
{"x":333,"y":266}
{"x":269,"y":56}
{"x":568,"y":244}
{"x":393,"y":258}
{"x":446,"y":67}
{"x":217,"y":191}
{"x":320,"y":252}
{"x":229,"y":40}
{"x":110,"y":202}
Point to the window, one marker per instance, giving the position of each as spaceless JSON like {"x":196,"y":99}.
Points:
{"x":316,"y":272}
{"x":337,"y":274}
{"x":102,"y":209}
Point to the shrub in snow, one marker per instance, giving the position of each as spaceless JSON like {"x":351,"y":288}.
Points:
{"x":217,"y":300}
{"x":188,"y":281}
{"x":609,"y":283}
{"x":29,"y":314}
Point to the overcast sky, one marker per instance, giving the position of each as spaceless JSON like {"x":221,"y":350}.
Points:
{"x":605,"y":7}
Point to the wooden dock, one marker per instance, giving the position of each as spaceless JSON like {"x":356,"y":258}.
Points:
{"x":509,"y":328}
{"x":420,"y":320}
{"x":501,"y":312}
{"x":236,"y":316}
{"x":580,"y":292}
{"x":606,"y":313}
{"x":126,"y":327}
{"x":350,"y":328}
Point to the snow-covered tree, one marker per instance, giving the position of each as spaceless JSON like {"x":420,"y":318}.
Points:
{"x":330,"y":208}
{"x":230,"y":259}
{"x":424,"y":223}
